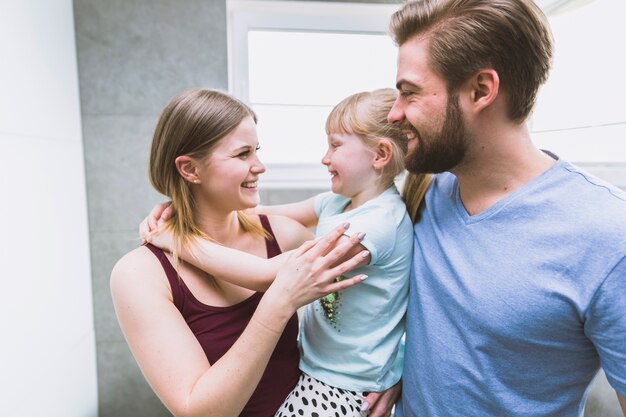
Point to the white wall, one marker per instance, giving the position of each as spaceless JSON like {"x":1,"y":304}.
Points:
{"x":47,"y":354}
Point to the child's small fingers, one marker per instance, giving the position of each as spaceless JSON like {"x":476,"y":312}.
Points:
{"x":167,"y":212}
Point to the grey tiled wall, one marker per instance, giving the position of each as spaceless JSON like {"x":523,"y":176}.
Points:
{"x":133,"y":56}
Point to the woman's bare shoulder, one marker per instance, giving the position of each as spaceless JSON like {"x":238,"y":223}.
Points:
{"x":137,"y":268}
{"x":289,"y":233}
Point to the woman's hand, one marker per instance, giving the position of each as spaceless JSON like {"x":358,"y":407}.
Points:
{"x":309,"y":273}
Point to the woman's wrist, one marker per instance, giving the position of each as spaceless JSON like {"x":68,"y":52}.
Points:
{"x":274,"y":310}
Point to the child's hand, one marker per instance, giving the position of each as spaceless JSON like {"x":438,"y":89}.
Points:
{"x":158,"y":216}
{"x":162,"y":240}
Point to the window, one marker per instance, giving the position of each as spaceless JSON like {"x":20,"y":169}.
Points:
{"x":292,"y":62}
{"x":580,"y":113}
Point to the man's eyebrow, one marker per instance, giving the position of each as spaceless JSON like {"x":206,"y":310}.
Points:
{"x":405,"y":83}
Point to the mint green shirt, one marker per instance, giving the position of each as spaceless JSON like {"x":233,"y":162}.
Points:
{"x":355,"y":343}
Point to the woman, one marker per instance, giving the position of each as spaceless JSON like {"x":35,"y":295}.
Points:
{"x":202,"y":343}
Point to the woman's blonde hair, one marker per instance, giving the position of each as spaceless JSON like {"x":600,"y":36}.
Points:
{"x":192,"y":124}
{"x":365,"y":115}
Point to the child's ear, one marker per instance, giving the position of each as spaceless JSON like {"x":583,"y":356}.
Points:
{"x":384,"y":153}
{"x":186,"y":167}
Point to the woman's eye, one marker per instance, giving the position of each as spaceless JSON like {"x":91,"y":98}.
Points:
{"x":243,"y":154}
{"x":257,"y":147}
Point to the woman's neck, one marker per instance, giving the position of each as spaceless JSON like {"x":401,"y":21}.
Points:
{"x":224,"y":228}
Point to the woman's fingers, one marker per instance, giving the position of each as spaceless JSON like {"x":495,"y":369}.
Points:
{"x":344,"y":249}
{"x":303,"y":248}
{"x":345,"y":283}
{"x":323,"y":244}
{"x":348,"y":265}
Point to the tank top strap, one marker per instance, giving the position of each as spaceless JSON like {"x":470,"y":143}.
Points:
{"x":170,"y":272}
{"x":270,"y":242}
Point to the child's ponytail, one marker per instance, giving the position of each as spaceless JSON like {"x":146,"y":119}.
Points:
{"x":415,"y":186}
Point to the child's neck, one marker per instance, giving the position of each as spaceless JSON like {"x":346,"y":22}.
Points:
{"x":365,"y":195}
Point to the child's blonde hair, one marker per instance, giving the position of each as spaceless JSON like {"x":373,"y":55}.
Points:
{"x":365,"y":115}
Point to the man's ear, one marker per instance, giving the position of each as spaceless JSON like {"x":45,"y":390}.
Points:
{"x":483,"y":87}
{"x":187,"y":169}
{"x":383,"y":153}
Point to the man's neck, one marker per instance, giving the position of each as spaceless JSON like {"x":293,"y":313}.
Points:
{"x":496,"y":167}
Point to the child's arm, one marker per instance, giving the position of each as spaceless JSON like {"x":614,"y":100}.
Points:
{"x":232,"y":265}
{"x":301,"y":211}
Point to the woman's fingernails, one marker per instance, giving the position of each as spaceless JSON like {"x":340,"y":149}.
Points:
{"x":363,"y":277}
{"x":364,"y":406}
{"x":360,"y":235}
{"x":365,"y":253}
{"x":346,"y":226}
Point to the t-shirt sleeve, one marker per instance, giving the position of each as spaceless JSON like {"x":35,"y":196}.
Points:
{"x":380,"y":231}
{"x":606,"y":325}
{"x":321,"y":202}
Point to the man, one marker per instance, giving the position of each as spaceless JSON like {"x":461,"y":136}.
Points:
{"x":519,"y":286}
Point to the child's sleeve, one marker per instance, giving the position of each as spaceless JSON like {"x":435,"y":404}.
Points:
{"x":380,"y":230}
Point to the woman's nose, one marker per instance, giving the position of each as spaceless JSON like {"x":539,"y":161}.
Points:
{"x":258,"y":167}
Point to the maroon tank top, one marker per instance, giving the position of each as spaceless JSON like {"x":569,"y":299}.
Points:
{"x":217,"y":329}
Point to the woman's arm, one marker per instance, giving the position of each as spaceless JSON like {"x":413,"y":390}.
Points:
{"x":168,"y":353}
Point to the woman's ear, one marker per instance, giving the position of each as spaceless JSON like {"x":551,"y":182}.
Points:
{"x":187,"y":169}
{"x":383,"y":153}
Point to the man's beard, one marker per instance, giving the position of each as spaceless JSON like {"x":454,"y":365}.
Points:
{"x":441,"y":151}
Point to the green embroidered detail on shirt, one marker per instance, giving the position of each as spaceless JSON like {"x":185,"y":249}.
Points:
{"x":330,"y":305}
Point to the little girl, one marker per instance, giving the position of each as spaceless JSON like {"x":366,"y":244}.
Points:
{"x":350,"y":341}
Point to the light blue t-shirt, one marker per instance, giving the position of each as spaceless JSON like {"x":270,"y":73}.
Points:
{"x":513,"y":310}
{"x":358,"y":348}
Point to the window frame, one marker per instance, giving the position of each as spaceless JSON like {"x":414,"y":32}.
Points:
{"x":288,"y":15}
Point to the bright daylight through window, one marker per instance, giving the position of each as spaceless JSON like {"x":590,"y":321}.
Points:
{"x":293,"y":61}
